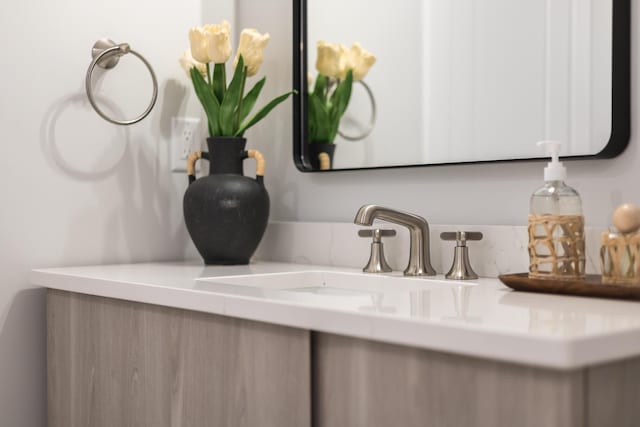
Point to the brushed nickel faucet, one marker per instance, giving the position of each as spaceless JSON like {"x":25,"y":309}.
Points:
{"x":419,"y":257}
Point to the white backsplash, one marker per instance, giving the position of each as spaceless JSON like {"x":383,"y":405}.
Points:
{"x":503,"y":249}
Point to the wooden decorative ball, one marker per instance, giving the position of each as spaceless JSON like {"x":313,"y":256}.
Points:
{"x":626,"y":218}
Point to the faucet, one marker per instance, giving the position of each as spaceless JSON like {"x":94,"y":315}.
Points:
{"x":419,"y":258}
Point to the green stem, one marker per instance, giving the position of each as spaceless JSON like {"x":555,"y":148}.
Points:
{"x":210,"y":83}
{"x":224,"y":81}
{"x":236,"y":120}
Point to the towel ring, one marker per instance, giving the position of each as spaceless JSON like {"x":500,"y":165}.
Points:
{"x":372,"y":120}
{"x":106,"y":54}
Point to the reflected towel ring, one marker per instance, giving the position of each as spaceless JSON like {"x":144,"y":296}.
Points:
{"x":372,"y":121}
{"x":106,"y":54}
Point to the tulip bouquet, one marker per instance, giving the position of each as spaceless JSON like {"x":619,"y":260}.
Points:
{"x":338,"y":67}
{"x":226,"y":106}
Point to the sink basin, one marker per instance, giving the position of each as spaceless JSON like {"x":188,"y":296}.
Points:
{"x":334,"y":282}
{"x":335,"y":289}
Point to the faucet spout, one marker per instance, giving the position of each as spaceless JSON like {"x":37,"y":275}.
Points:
{"x":419,"y":254}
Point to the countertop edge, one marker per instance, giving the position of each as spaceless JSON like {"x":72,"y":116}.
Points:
{"x":553,"y":353}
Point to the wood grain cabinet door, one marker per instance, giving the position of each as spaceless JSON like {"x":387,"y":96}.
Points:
{"x":125,"y":364}
{"x":365,"y":383}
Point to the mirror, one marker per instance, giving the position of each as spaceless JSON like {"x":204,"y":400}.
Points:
{"x":463,"y":82}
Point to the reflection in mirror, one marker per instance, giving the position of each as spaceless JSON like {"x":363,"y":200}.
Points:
{"x":338,"y":67}
{"x":458,"y":82}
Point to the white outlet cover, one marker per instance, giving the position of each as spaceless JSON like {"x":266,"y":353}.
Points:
{"x":185,"y":139}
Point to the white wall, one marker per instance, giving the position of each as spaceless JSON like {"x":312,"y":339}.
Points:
{"x":75,"y":189}
{"x":466,"y":194}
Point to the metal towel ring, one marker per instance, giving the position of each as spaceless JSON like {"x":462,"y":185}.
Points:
{"x":372,"y":120}
{"x":106,"y":54}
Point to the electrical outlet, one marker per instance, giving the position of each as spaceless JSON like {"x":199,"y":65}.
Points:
{"x":185,"y":139}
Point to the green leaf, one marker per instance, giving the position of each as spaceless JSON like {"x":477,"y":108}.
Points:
{"x":207,"y":99}
{"x":342,"y":95}
{"x":319,"y":121}
{"x":339,"y":103}
{"x":318,"y":111}
{"x":263,"y":112}
{"x":249,"y":101}
{"x":312,"y":120}
{"x":219,"y":81}
{"x":231,"y":99}
{"x":320,"y":87}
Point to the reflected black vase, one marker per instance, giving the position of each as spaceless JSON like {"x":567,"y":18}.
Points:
{"x":226,"y":213}
{"x":315,"y":149}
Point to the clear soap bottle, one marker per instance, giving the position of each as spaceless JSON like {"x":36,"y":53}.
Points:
{"x":556,"y":224}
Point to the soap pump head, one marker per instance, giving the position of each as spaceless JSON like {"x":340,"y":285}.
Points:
{"x":555,"y":170}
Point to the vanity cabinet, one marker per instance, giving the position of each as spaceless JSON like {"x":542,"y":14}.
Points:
{"x":366,"y":383}
{"x":121,"y":363}
{"x":372,"y":384}
{"x":114,"y":363}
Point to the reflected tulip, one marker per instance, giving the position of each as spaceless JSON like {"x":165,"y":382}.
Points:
{"x":332,"y":59}
{"x":360,"y":61}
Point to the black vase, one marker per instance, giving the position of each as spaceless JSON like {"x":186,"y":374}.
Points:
{"x":226,"y":213}
{"x":315,"y":148}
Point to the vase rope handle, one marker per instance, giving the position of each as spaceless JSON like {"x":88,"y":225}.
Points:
{"x":197,"y":155}
{"x":259,"y":158}
{"x":325,"y":161}
{"x":191,"y":164}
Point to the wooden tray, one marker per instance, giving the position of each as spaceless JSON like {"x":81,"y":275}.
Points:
{"x":591,"y":286}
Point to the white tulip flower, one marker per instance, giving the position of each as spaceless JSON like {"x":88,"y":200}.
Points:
{"x":211,"y":43}
{"x":360,"y":61}
{"x":332,"y":59}
{"x":251,"y":47}
{"x":187,"y":62}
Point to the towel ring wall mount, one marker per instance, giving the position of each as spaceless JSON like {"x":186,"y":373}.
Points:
{"x":106,"y":54}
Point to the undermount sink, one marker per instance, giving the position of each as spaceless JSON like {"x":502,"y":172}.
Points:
{"x":339,"y":289}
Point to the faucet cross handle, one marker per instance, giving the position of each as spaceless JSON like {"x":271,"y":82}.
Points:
{"x":377,"y":233}
{"x":461,"y":237}
{"x":377,"y":263}
{"x":461,"y":268}
{"x":419,"y":255}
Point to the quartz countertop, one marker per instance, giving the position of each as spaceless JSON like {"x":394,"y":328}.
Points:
{"x":480,"y":318}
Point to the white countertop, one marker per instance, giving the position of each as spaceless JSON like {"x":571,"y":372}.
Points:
{"x":481,"y":318}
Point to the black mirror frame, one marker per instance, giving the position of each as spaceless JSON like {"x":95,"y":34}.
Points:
{"x":620,"y":88}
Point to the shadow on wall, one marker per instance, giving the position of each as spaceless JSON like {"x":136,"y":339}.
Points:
{"x":101,"y":150}
{"x":174,"y":95}
{"x":140,"y":222}
{"x":25,"y":318}
{"x":103,"y":145}
{"x":134,"y":218}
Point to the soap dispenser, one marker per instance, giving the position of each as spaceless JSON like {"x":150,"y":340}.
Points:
{"x":556,"y":224}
